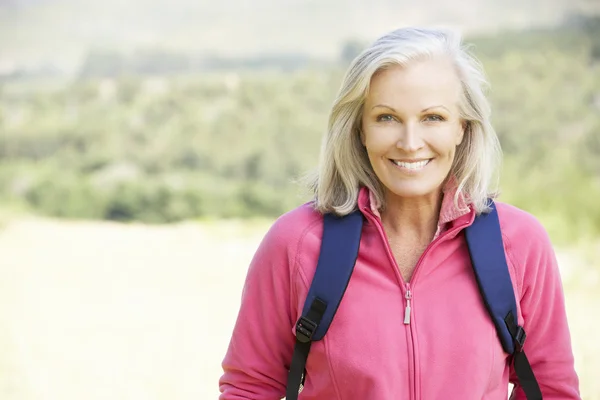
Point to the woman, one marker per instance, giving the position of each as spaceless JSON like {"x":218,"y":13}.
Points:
{"x":410,"y":145}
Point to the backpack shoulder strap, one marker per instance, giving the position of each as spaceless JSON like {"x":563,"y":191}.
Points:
{"x":338,"y":254}
{"x":486,"y":248}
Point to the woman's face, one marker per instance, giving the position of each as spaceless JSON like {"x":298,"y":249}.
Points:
{"x":411,"y":126}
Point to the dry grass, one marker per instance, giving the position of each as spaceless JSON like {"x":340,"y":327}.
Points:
{"x":105,"y":311}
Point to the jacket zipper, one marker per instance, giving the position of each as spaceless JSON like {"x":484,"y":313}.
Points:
{"x":412,"y":348}
{"x":408,"y":294}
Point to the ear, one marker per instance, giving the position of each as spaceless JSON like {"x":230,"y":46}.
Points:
{"x":464,"y":126}
{"x":361,"y":134}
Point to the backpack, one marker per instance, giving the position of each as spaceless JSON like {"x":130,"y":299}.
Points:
{"x":338,"y":254}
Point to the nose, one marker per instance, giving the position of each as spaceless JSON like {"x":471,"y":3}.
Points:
{"x":410,"y":140}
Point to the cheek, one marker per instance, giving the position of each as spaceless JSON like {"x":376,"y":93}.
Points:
{"x":445,"y":143}
{"x":378,"y":140}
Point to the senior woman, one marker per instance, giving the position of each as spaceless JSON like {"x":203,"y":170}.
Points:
{"x":410,"y":146}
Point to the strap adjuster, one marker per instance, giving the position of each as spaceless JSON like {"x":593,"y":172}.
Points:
{"x":305,"y":329}
{"x":520,"y":337}
{"x":516,"y":332}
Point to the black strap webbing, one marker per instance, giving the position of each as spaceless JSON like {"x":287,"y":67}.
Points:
{"x":521,"y":363}
{"x":297,"y":371}
{"x":305,"y":328}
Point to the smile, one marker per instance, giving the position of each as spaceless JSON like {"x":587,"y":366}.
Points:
{"x":411,"y":165}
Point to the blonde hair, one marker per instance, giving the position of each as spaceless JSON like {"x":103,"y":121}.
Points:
{"x":344,"y":166}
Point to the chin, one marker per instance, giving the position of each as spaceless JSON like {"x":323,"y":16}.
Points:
{"x":414,"y":190}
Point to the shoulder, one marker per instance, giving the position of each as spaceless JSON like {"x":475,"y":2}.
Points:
{"x":295,"y":223}
{"x":518,"y":224}
{"x":288,"y":231}
{"x":275,"y":263}
{"x":528,"y":246}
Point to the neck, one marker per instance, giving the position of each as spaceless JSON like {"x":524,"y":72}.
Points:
{"x":413,"y":217}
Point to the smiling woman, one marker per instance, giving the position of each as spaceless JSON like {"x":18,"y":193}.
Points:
{"x":411,"y":126}
{"x":411,"y":155}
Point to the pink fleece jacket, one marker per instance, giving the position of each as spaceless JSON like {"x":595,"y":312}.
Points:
{"x":449,"y":350}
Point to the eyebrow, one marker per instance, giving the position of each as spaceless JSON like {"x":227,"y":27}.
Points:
{"x":423,"y":110}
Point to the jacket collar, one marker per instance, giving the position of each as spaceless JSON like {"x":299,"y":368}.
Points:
{"x":450,"y":213}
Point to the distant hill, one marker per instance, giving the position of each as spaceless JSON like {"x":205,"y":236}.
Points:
{"x":57,"y":33}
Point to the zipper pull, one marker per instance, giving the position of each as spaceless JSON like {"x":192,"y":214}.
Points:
{"x":407,"y":309}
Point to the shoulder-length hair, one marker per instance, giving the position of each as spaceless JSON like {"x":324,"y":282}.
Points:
{"x":344,"y":166}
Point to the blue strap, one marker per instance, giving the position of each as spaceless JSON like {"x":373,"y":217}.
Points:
{"x":339,"y":250}
{"x":486,"y":248}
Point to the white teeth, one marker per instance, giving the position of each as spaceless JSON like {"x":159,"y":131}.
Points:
{"x":411,"y":165}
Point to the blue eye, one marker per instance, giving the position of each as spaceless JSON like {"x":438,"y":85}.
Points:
{"x":385,"y":118}
{"x":434,"y":118}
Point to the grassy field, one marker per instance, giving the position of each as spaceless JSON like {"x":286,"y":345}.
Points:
{"x":108,"y":311}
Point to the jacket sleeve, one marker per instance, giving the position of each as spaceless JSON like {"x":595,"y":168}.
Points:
{"x":542,"y":304}
{"x":256,"y":362}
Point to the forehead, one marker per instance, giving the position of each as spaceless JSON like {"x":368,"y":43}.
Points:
{"x":416,"y":84}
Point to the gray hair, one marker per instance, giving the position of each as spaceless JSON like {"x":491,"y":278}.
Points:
{"x":344,"y":165}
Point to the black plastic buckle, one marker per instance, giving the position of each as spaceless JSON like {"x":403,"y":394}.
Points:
{"x":520,"y":337}
{"x":305,"y":329}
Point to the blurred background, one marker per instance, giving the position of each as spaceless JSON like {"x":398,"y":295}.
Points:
{"x":146,"y":146}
